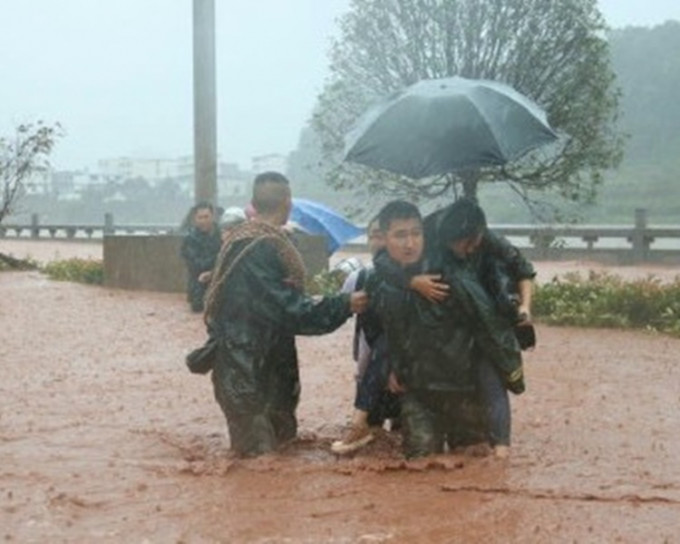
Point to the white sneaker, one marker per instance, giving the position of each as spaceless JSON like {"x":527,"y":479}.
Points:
{"x":356,"y":438}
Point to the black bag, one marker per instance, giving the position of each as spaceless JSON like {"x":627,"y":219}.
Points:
{"x":526,"y":336}
{"x":202,"y":360}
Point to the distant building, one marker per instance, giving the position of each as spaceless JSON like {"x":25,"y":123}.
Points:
{"x":118,"y":173}
{"x":71,"y":184}
{"x":38,"y":183}
{"x":151,"y":170}
{"x":231,"y":181}
{"x":271,"y":162}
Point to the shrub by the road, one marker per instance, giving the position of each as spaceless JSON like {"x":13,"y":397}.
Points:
{"x":604,"y":300}
{"x":77,"y":270}
{"x":594,"y":300}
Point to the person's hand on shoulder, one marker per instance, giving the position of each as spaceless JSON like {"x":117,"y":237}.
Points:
{"x":430,"y":286}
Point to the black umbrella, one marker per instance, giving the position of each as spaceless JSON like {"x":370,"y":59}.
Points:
{"x":438,"y":126}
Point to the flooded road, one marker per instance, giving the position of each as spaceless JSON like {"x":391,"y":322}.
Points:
{"x":106,"y":437}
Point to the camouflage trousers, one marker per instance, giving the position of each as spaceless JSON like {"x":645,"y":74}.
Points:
{"x":258,"y":426}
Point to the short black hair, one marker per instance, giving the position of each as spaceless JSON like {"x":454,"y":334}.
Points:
{"x":463,"y":219}
{"x":397,"y":209}
{"x":203,"y":205}
{"x":266,"y":200}
{"x":271,"y":177}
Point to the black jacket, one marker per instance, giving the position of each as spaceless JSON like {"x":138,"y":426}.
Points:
{"x":433,"y":346}
{"x":199,"y":250}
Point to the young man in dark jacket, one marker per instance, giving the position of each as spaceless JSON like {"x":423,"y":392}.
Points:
{"x":254,"y":308}
{"x":433,"y":345}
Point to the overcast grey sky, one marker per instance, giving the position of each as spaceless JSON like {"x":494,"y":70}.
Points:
{"x":117,"y":74}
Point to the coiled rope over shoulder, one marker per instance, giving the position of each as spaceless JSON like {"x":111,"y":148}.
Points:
{"x":257,"y":232}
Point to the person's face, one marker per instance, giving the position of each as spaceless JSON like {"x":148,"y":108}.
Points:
{"x":203,"y":219}
{"x":404,"y":241}
{"x":466,"y":246}
{"x":376,"y":240}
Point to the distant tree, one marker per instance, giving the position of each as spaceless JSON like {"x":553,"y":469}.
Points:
{"x":137,"y":188}
{"x":305,"y":166}
{"x":307,"y":170}
{"x":648,"y":69}
{"x":168,"y":189}
{"x":22,"y":156}
{"x":554,"y":52}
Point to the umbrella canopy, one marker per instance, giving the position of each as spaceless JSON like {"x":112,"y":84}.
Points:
{"x":317,"y":218}
{"x":438,"y":126}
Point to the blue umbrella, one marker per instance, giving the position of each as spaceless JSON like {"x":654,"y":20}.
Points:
{"x":317,"y":218}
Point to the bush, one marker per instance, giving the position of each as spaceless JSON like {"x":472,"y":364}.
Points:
{"x":7,"y":262}
{"x":603,"y":300}
{"x":79,"y":270}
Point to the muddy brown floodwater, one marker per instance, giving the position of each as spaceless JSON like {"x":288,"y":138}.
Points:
{"x":106,"y":437}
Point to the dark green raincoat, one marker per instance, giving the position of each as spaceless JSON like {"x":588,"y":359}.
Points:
{"x":199,"y":251}
{"x":500,"y":265}
{"x":256,"y":378}
{"x":421,"y":333}
{"x":433,"y":348}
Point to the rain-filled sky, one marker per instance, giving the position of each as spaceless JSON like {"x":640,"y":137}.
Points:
{"x":117,"y":74}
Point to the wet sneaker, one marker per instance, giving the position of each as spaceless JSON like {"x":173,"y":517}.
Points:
{"x":356,"y":438}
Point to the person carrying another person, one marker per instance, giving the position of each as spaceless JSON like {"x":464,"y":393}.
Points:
{"x":373,"y":402}
{"x":199,"y":249}
{"x":432,"y":346}
{"x":255,"y":306}
{"x":508,"y":279}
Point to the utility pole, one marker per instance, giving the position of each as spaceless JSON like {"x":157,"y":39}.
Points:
{"x":205,"y":102}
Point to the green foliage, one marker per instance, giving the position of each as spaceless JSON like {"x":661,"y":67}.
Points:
{"x":554,"y":52}
{"x":89,"y":271}
{"x":604,"y":300}
{"x":7,"y":263}
{"x":328,"y":282}
{"x":648,"y":71}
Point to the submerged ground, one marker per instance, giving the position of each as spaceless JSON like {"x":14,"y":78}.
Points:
{"x":106,"y":437}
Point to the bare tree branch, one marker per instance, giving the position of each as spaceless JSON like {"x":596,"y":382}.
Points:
{"x":21,"y":157}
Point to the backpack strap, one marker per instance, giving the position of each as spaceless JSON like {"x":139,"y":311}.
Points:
{"x":361,"y":279}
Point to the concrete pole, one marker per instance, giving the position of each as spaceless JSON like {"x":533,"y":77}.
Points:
{"x":205,"y":102}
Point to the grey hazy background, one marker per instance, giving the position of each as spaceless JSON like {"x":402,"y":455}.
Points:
{"x":117,"y":74}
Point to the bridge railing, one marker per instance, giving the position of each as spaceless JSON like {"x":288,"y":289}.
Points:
{"x":625,"y":244}
{"x":79,"y":231}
